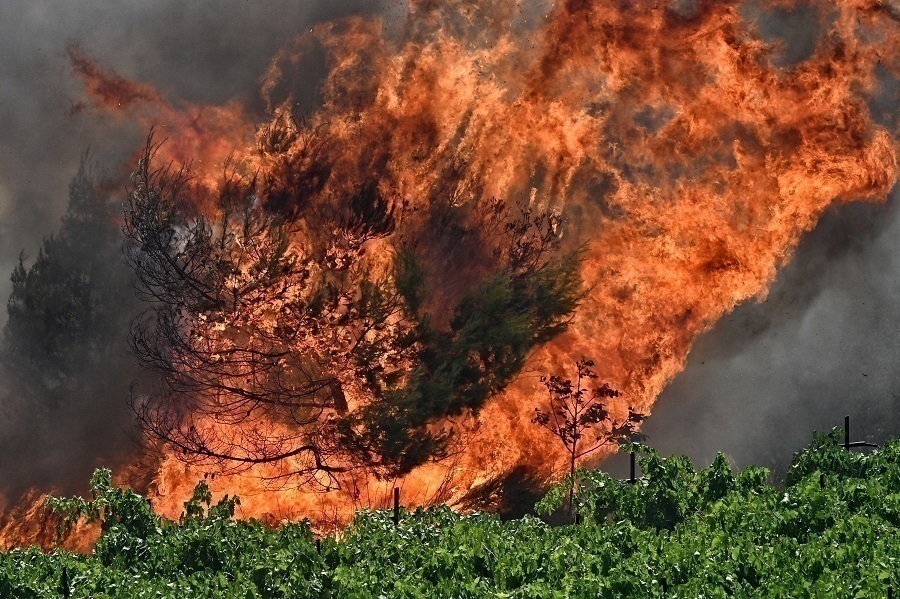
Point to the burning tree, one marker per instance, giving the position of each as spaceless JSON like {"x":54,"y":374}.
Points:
{"x":578,"y":417}
{"x":298,"y":325}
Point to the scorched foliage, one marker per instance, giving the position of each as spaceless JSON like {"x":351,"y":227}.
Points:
{"x":300,"y":322}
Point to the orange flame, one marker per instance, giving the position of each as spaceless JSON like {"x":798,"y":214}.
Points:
{"x":669,"y":139}
{"x":29,"y":522}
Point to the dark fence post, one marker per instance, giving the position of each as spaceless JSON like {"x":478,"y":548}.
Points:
{"x":847,"y":443}
{"x":65,"y":583}
{"x":665,"y":584}
{"x":890,"y":591}
{"x":319,"y":545}
{"x":396,"y":506}
{"x":633,"y":478}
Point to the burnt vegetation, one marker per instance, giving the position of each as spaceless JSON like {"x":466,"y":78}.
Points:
{"x":297,"y":322}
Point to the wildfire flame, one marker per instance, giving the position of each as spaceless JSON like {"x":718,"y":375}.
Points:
{"x":666,"y":134}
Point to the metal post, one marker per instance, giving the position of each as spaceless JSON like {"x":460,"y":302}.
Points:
{"x":396,"y":506}
{"x":633,"y":478}
{"x":847,"y":444}
{"x":65,"y":583}
{"x":319,"y":546}
{"x":665,"y":584}
{"x":822,"y":479}
{"x":890,"y":591}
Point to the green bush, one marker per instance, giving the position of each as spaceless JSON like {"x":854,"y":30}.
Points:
{"x":832,"y":531}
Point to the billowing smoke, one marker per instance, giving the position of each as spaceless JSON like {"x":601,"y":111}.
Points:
{"x":824,"y":344}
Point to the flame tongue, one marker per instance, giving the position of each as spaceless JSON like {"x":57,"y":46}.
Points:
{"x":689,"y":163}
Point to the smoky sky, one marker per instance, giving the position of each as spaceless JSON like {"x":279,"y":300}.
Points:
{"x":825,"y":343}
{"x":203,"y":51}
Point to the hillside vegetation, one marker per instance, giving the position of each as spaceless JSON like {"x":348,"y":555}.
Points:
{"x":830,"y":531}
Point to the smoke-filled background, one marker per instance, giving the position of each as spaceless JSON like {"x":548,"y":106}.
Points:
{"x":204,"y":52}
{"x":823,"y":344}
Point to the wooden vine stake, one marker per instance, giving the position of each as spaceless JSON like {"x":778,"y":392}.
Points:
{"x":396,"y":506}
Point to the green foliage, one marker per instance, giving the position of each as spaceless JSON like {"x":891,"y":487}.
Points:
{"x":68,"y":310}
{"x":112,"y":506}
{"x":205,"y":554}
{"x":709,"y":533}
{"x":670,"y":491}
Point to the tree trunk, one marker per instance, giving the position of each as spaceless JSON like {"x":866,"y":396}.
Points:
{"x":572,"y":485}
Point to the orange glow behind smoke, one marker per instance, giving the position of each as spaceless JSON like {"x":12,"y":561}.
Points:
{"x":670,"y":143}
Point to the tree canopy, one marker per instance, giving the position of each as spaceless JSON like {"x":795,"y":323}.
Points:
{"x":64,"y":351}
{"x":304,"y":325}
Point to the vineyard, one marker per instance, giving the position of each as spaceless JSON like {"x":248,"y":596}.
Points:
{"x":830,"y":530}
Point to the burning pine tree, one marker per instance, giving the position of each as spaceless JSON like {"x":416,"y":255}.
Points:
{"x":299,"y":324}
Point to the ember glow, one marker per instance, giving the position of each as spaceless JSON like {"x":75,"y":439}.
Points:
{"x":666,"y":136}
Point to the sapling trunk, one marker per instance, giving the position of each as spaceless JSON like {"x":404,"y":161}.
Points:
{"x":572,"y":484}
